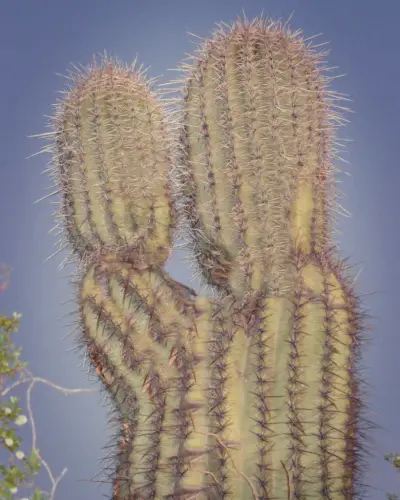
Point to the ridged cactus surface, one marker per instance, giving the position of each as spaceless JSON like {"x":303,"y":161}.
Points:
{"x":113,"y":154}
{"x":285,"y":396}
{"x":140,"y":332}
{"x":256,"y":153}
{"x":253,"y":394}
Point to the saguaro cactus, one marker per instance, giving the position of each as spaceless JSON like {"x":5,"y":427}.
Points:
{"x":253,"y":394}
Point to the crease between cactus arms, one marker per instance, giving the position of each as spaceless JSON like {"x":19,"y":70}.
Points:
{"x":253,"y":393}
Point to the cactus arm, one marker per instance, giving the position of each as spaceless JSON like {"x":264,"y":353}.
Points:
{"x":112,"y":155}
{"x":257,"y":182}
{"x":256,"y":162}
{"x":112,"y":159}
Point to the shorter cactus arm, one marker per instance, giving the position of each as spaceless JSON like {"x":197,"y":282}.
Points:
{"x":112,"y":157}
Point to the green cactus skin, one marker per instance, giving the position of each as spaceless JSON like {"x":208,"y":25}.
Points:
{"x":253,"y":395}
{"x":286,"y":393}
{"x":256,"y":142}
{"x":229,"y":401}
{"x":256,"y":175}
{"x":112,"y":156}
{"x":136,"y":339}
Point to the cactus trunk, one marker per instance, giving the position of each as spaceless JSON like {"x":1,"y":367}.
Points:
{"x":286,"y":399}
{"x":256,"y":179}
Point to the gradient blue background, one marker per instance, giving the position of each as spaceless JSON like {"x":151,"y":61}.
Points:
{"x":39,"y":39}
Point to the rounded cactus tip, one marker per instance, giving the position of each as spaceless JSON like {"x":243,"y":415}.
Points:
{"x":255,"y":167}
{"x":112,"y":158}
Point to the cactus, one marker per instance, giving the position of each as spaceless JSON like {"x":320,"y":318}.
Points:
{"x":256,"y":181}
{"x":109,"y":121}
{"x":120,"y":318}
{"x":256,"y":150}
{"x":253,"y":393}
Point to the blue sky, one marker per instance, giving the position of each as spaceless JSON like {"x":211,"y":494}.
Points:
{"x":40,"y":39}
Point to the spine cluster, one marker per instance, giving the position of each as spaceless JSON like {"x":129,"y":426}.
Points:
{"x":255,"y":393}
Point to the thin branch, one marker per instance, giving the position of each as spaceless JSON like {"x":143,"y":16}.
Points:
{"x":33,"y":380}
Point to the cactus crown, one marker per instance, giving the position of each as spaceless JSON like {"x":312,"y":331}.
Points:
{"x":257,"y":142}
{"x":112,"y":154}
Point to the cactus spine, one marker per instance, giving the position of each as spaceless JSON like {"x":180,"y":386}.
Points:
{"x":253,"y":394}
